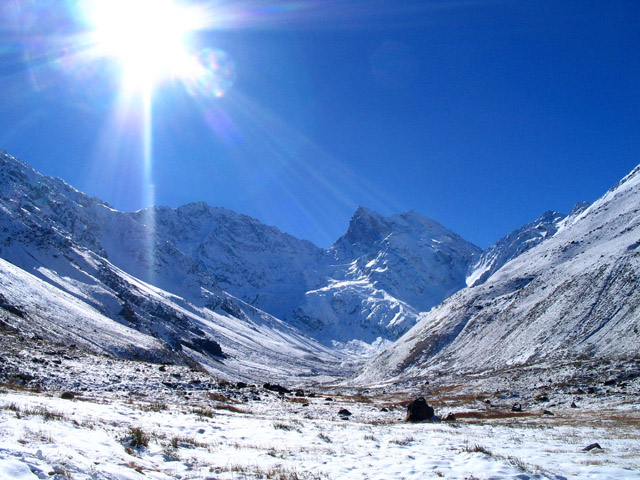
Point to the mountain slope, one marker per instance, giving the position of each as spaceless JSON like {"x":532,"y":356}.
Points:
{"x":117,"y":268}
{"x":575,"y":295}
{"x":369,"y":287}
{"x":518,"y":242}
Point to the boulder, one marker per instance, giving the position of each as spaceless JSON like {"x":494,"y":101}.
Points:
{"x":591,"y":447}
{"x":276,"y":388}
{"x":419,"y":411}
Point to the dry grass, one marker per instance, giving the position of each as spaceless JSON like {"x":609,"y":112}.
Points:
{"x":299,"y":400}
{"x":231,"y":408}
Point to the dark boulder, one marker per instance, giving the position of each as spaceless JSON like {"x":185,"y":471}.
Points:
{"x":591,"y":447}
{"x":450,"y":417}
{"x":67,"y":396}
{"x":344,"y":413}
{"x":516,"y":407}
{"x":272,"y":387}
{"x":419,"y":411}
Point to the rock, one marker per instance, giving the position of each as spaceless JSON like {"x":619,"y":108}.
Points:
{"x":419,"y":411}
{"x":344,"y":413}
{"x":328,"y":399}
{"x":299,"y":393}
{"x":591,"y":447}
{"x":542,"y":398}
{"x":516,"y":407}
{"x":611,"y":381}
{"x":384,"y":409}
{"x":450,"y":417}
{"x":573,"y":405}
{"x":276,"y":388}
{"x":67,"y":396}
{"x":547,"y":412}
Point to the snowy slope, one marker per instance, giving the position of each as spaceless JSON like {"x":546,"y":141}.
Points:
{"x":575,"y":295}
{"x":513,"y":245}
{"x":518,"y":242}
{"x":384,"y":271}
{"x":120,"y":269}
{"x":369,"y":287}
{"x":257,"y":263}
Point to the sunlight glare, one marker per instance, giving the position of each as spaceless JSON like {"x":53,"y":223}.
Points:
{"x":148,"y":38}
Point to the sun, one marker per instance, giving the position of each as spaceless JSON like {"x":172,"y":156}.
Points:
{"x":147,"y":38}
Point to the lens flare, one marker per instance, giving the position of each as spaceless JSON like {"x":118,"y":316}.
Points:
{"x":212,"y":73}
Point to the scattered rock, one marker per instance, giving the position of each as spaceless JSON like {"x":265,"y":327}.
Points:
{"x":516,"y":407}
{"x":272,"y":387}
{"x":542,"y":398}
{"x":67,"y":396}
{"x":419,"y":411}
{"x":162,"y":368}
{"x":591,"y":447}
{"x":450,"y":417}
{"x":344,"y":413}
{"x":384,"y":409}
{"x":299,"y":393}
{"x":547,"y":412}
{"x":328,"y":399}
{"x":573,"y":405}
{"x":611,"y":381}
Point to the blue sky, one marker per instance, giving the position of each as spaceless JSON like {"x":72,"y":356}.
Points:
{"x":478,"y":114}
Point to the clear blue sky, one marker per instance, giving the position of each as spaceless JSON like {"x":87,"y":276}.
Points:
{"x":478,"y":114}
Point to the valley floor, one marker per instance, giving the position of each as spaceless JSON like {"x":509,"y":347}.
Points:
{"x":135,"y":420}
{"x":107,"y":437}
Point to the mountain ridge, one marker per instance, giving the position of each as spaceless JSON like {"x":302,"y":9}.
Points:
{"x":574,"y":295}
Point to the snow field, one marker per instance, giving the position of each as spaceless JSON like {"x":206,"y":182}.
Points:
{"x":281,"y":438}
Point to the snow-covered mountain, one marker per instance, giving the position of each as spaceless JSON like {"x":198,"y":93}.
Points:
{"x":383,"y":272}
{"x":84,"y":273}
{"x":574,"y":295}
{"x":179,"y":275}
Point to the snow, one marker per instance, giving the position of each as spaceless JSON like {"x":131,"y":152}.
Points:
{"x":88,"y":440}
